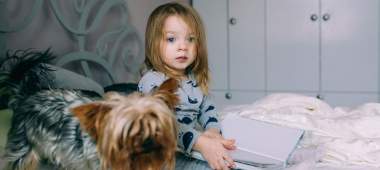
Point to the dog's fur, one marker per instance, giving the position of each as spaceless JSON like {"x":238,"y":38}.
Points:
{"x":73,"y":131}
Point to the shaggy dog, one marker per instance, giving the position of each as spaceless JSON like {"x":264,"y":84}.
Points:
{"x":70,"y":130}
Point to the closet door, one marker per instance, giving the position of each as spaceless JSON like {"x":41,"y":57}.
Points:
{"x":237,"y":98}
{"x":246,"y":45}
{"x":349,"y":99}
{"x":293,"y":45}
{"x":235,"y":35}
{"x":214,"y":16}
{"x":350,"y":42}
{"x":246,"y":35}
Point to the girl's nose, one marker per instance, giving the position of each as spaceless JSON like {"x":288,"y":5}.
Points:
{"x":183,"y":45}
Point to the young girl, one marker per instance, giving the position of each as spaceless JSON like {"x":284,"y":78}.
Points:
{"x":176,"y":48}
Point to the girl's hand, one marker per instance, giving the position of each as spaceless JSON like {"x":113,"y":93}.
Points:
{"x":214,"y":152}
{"x":214,"y":133}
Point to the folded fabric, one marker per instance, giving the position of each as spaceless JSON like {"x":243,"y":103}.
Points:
{"x":66,"y":79}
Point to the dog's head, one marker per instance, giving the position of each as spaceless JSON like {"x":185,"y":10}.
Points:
{"x":133,"y":132}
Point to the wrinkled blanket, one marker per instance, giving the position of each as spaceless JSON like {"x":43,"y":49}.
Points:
{"x":337,"y":136}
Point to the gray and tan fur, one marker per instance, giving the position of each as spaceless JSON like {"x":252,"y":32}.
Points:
{"x":70,"y":130}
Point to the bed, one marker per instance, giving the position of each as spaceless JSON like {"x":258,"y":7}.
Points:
{"x":335,"y":138}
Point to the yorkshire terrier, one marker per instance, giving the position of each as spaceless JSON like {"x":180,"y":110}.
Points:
{"x":71,"y":130}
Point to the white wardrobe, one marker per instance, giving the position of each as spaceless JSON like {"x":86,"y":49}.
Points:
{"x":323,"y":48}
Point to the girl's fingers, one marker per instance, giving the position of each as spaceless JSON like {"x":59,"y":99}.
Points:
{"x":223,"y":164}
{"x":213,"y":164}
{"x":230,"y":147}
{"x":229,"y":144}
{"x":229,"y":161}
{"x":228,"y":141}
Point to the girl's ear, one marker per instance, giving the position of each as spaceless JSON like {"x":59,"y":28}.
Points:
{"x":90,"y":116}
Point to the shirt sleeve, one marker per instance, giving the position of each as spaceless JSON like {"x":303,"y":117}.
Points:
{"x":187,"y":134}
{"x":150,"y":81}
{"x":208,"y":117}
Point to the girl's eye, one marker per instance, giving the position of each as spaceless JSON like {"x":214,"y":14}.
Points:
{"x":191,"y":39}
{"x":170,"y":39}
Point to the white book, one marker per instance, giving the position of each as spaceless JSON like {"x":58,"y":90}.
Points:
{"x":260,"y":145}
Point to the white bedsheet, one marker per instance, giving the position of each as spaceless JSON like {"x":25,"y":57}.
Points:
{"x":335,"y":137}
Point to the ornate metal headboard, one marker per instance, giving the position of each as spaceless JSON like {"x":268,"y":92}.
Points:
{"x":117,"y":45}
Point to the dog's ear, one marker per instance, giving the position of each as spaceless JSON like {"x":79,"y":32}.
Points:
{"x":170,"y":85}
{"x":166,"y":92}
{"x":90,"y":116}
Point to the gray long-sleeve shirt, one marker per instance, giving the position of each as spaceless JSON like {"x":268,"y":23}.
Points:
{"x":194,"y":107}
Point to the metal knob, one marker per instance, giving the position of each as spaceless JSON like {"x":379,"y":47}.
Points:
{"x":233,"y":21}
{"x":228,"y":96}
{"x":319,"y":96}
{"x":326,"y":17}
{"x":314,"y":17}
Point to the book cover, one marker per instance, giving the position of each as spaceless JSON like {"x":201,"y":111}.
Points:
{"x":260,"y":145}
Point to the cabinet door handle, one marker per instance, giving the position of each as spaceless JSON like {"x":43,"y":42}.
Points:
{"x":313,"y":17}
{"x":228,"y":96}
{"x":319,"y":96}
{"x":233,"y":21}
{"x":326,"y":17}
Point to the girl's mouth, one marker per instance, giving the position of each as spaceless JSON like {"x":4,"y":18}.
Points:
{"x":181,"y":59}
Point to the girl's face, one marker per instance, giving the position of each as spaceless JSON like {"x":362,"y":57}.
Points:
{"x":178,"y":45}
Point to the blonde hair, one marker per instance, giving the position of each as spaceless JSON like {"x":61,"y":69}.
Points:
{"x":154,"y":35}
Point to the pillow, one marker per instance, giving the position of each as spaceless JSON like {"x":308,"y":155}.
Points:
{"x":66,"y":79}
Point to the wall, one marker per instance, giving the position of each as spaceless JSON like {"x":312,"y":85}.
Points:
{"x":44,"y":31}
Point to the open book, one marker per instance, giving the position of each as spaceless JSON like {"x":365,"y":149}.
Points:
{"x":259,"y":145}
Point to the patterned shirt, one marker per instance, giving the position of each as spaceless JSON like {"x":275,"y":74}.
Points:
{"x":194,"y":107}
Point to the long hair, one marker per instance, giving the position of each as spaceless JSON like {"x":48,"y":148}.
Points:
{"x":133,"y":132}
{"x":155,"y":34}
